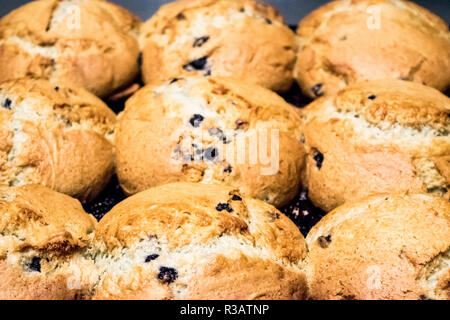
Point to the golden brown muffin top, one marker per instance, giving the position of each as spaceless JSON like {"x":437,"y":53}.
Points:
{"x":35,"y":217}
{"x":382,"y":247}
{"x":187,"y":214}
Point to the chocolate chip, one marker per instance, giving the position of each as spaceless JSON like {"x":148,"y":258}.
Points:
{"x":224,"y":206}
{"x":211,"y":153}
{"x":236,"y":198}
{"x":198,"y":42}
{"x":167,"y":275}
{"x":228,"y":169}
{"x":274,"y":216}
{"x":318,"y":158}
{"x":7,"y":104}
{"x":35,"y":264}
{"x":151,"y":257}
{"x":198,"y":64}
{"x":372,"y":97}
{"x":56,"y":89}
{"x":437,"y":189}
{"x":181,"y":16}
{"x":241,"y":10}
{"x":317,"y":89}
{"x":268,"y":21}
{"x":196,"y":120}
{"x":324,"y":241}
{"x":174,"y":80}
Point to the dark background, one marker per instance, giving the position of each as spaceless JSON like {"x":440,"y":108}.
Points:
{"x":293,"y":10}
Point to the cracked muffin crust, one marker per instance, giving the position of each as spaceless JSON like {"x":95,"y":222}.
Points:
{"x":347,"y":41}
{"x":55,"y":135}
{"x":194,"y":241}
{"x":220,"y":38}
{"x":210,"y":130}
{"x":377,"y":137}
{"x":88,"y":43}
{"x":42,"y":234}
{"x":383,"y":247}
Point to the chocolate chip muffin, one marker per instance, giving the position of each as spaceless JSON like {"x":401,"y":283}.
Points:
{"x":42,"y":236}
{"x":382,"y":247}
{"x":196,"y":241}
{"x":220,"y":38}
{"x":384,"y":136}
{"x":211,"y":130}
{"x":344,"y":42}
{"x":87,"y":43}
{"x":55,"y":135}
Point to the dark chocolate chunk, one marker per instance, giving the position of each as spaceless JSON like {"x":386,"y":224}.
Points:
{"x":236,"y":198}
{"x":198,"y":64}
{"x":7,"y":104}
{"x":372,"y":97}
{"x":268,"y":21}
{"x":211,"y":153}
{"x":174,"y":80}
{"x":35,"y":264}
{"x":241,"y":10}
{"x":181,"y":16}
{"x":196,"y":120}
{"x":228,"y":169}
{"x":167,"y":275}
{"x":151,"y":257}
{"x":224,"y":206}
{"x":198,"y":42}
{"x":274,"y":216}
{"x":56,"y":89}
{"x":318,"y":158}
{"x":437,"y":189}
{"x":317,"y":89}
{"x":324,"y":241}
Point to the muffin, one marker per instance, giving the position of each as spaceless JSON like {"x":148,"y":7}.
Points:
{"x":232,"y":38}
{"x":88,"y":43}
{"x":55,"y":135}
{"x":344,"y":42}
{"x":210,"y":130}
{"x":385,"y":136}
{"x":195,"y":241}
{"x":42,"y":236}
{"x":382,"y":247}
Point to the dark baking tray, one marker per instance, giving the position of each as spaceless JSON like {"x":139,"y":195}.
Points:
{"x":301,"y":211}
